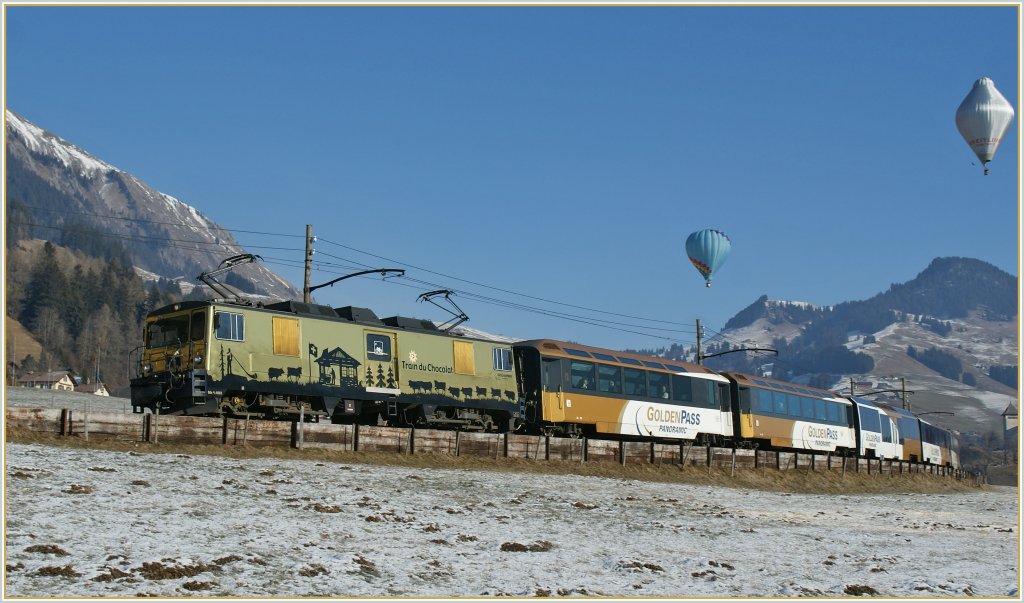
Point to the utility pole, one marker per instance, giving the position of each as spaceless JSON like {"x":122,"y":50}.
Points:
{"x":309,"y":262}
{"x":700,"y":351}
{"x":903,"y":389}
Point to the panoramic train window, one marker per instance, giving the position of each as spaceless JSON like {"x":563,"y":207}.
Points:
{"x":793,"y":406}
{"x":703,"y":393}
{"x":869,"y":419}
{"x":779,"y":401}
{"x":681,"y":389}
{"x":699,"y":392}
{"x":635,"y":381}
{"x":807,"y":407}
{"x":502,"y":359}
{"x":609,"y":379}
{"x":886,"y":429}
{"x":579,"y":353}
{"x":820,"y":410}
{"x":832,"y":410}
{"x":908,"y":429}
{"x":167,"y":331}
{"x":581,"y":375}
{"x":657,"y":384}
{"x":229,"y":326}
{"x":607,"y":357}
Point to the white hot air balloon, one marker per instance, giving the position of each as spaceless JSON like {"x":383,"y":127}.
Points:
{"x":983,"y":119}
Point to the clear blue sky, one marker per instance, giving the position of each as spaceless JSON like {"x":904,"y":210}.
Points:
{"x":562,"y":153}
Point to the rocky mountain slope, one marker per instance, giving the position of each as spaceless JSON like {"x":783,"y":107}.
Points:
{"x":56,"y":190}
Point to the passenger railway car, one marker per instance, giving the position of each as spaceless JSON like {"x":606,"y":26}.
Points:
{"x":222,"y":358}
{"x":938,"y":446}
{"x":909,"y":432}
{"x":581,"y":390}
{"x":779,"y":415}
{"x":878,"y":435}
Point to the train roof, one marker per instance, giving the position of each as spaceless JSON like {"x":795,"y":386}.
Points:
{"x":364,"y":316}
{"x":783,"y":386}
{"x":565,"y":349}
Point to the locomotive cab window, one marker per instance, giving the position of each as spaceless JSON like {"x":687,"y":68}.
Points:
{"x":502,"y":359}
{"x":229,"y":326}
{"x":197,"y":331}
{"x":167,"y":331}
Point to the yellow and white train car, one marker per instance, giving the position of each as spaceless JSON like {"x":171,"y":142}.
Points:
{"x":794,"y":417}
{"x":878,"y":434}
{"x":577,"y":390}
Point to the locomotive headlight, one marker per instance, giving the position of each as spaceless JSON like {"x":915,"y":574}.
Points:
{"x":197,"y":360}
{"x":147,"y":368}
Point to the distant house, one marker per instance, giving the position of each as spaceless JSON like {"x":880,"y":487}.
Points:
{"x":1010,"y":430}
{"x":96,"y":389}
{"x":57,"y":380}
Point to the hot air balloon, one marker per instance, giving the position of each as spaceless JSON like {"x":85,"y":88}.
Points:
{"x":707,"y":250}
{"x":983,"y":119}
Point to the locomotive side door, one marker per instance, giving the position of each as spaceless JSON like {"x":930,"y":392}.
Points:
{"x":380,"y":374}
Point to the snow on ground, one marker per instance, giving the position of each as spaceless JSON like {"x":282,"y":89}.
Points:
{"x":87,"y":523}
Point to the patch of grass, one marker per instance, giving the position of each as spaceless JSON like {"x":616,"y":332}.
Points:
{"x":49,"y":549}
{"x":66,"y":571}
{"x":194,"y":586}
{"x":112,"y":574}
{"x":857,"y":590}
{"x":537,"y":547}
{"x":156,"y":570}
{"x":80,"y":489}
{"x":366,"y":567}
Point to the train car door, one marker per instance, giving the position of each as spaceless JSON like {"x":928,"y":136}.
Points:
{"x":553,"y":402}
{"x":380,"y":375}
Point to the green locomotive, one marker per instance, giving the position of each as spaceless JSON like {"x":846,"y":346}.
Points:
{"x":289,"y":358}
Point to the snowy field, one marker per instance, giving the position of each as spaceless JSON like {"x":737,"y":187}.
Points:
{"x":88,"y":523}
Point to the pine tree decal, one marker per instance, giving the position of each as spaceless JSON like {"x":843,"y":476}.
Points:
{"x":391,"y":378}
{"x":380,"y":376}
{"x":369,"y":377}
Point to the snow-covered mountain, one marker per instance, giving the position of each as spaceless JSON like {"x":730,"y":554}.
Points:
{"x":61,"y":186}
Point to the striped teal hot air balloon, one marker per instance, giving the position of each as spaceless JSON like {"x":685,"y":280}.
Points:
{"x":707,"y":250}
